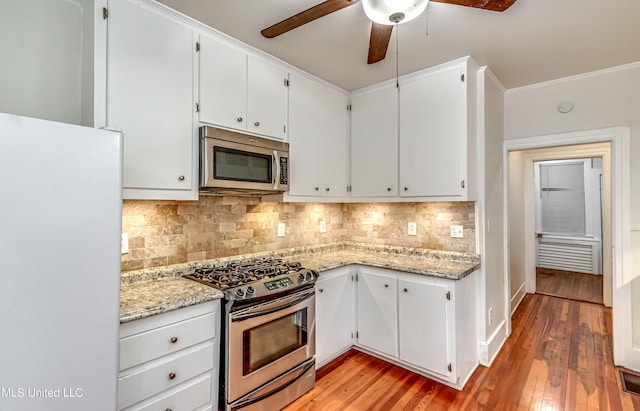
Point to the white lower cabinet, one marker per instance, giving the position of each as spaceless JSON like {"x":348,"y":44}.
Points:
{"x":170,"y":361}
{"x":377,"y":310}
{"x":334,"y":314}
{"x":424,"y":316}
{"x":425,"y":324}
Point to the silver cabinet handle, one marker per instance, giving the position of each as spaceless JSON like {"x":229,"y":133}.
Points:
{"x":172,"y":376}
{"x":321,"y":290}
{"x":406,"y":290}
{"x":386,"y":286}
{"x":316,"y":188}
{"x":406,"y":189}
{"x":174,"y":340}
{"x":239,"y":119}
{"x":181,"y":178}
{"x":257,"y":124}
{"x":327,"y":189}
{"x":388,"y":188}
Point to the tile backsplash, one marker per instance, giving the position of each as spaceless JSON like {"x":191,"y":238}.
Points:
{"x":172,"y":232}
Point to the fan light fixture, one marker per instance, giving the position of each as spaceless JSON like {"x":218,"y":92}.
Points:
{"x":393,"y":12}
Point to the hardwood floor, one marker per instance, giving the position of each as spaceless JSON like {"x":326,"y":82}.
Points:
{"x":558,"y":357}
{"x":566,"y":284}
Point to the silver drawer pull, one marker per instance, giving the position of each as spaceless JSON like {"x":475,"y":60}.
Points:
{"x":181,"y":178}
{"x":239,"y":119}
{"x":321,"y":290}
{"x":257,"y":124}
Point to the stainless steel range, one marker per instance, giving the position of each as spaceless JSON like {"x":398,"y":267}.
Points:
{"x":269,"y":325}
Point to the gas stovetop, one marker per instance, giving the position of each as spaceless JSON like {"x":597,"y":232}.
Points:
{"x":256,"y":279}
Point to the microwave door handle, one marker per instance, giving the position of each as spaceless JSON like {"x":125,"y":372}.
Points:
{"x":276,"y":179}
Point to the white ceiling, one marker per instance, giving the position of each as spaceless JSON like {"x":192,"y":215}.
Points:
{"x":531,"y":42}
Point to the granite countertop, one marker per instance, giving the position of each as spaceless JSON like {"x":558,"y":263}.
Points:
{"x":140,"y":299}
{"x":153,"y":291}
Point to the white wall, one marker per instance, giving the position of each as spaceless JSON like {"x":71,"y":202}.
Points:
{"x":602,"y":99}
{"x":41,"y":69}
{"x":516,"y":218}
{"x":492,"y":331}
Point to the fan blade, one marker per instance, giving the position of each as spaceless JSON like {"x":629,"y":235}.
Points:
{"x":493,"y":5}
{"x":304,"y":17}
{"x":378,"y":42}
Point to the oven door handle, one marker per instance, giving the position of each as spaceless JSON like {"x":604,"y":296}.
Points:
{"x":259,"y":396}
{"x":276,"y":179}
{"x":246,"y":316}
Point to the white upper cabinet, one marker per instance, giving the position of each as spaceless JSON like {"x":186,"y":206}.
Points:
{"x":437,"y":133}
{"x":318,"y":138}
{"x":240,"y":91}
{"x":223,"y":84}
{"x":374,"y":142}
{"x":149,"y":94}
{"x":267,"y":98}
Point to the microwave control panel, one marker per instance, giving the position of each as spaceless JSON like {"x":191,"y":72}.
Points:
{"x":284,"y":167}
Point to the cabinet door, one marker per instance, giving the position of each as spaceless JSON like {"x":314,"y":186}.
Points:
{"x":150,"y":96}
{"x":377,"y":312}
{"x":267,"y":99}
{"x":432,"y":134}
{"x":223,"y":84}
{"x":374,"y":143}
{"x":334,"y":314}
{"x":423,"y":324}
{"x":318,"y":138}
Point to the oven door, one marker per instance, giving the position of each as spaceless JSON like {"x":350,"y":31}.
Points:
{"x":267,"y":340}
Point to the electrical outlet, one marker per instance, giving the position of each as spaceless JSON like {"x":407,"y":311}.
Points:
{"x":124,"y":243}
{"x":490,"y":315}
{"x":280,"y":229}
{"x":457,"y":231}
{"x":323,"y":227}
{"x":411,"y":228}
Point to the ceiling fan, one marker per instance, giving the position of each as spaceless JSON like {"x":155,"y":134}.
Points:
{"x":380,"y":32}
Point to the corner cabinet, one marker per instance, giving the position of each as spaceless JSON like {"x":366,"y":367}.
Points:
{"x":240,"y":91}
{"x":334,"y":314}
{"x":377,"y":311}
{"x":425,"y":324}
{"x":374,"y":141}
{"x":318,"y":140}
{"x":437,"y":124}
{"x":149,"y":83}
{"x":171,"y":361}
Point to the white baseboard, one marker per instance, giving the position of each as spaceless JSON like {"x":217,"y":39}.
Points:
{"x":517,"y":298}
{"x":489,"y":350}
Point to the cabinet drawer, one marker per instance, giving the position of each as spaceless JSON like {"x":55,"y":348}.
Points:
{"x":156,"y":377}
{"x":188,"y":396}
{"x":158,"y":342}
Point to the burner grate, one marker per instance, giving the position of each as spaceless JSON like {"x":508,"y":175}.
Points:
{"x":239,"y":273}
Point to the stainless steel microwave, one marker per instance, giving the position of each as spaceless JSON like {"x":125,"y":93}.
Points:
{"x":238,"y":163}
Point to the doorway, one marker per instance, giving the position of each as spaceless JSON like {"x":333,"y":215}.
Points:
{"x":568,"y":227}
{"x":523,"y":229}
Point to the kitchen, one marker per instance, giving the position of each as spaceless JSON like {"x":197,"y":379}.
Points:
{"x":525,"y":115}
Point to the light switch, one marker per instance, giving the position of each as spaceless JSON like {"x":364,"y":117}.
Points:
{"x":457,"y":231}
{"x":280,"y":229}
{"x":412,"y":229}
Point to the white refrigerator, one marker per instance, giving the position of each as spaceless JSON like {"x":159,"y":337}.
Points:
{"x":60,"y":224}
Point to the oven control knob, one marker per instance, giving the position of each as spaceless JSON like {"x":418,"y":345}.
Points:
{"x":250,"y":290}
{"x":239,"y":293}
{"x":309,"y":276}
{"x":301,"y":276}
